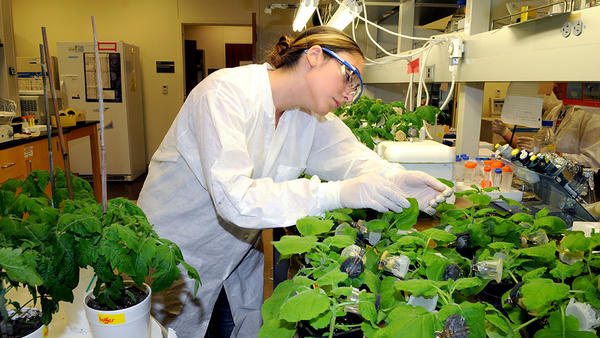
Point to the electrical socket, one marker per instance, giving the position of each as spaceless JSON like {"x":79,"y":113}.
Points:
{"x":577,"y":27}
{"x":429,"y":72}
{"x":566,"y":29}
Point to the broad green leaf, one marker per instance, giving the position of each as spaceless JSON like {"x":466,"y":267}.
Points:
{"x":410,"y":322}
{"x":377,"y":225}
{"x":537,"y":273}
{"x":408,"y":218}
{"x":589,"y":284}
{"x":539,"y":293}
{"x":372,"y":281}
{"x":562,"y":326}
{"x":576,"y":241}
{"x":418,"y":287}
{"x":277,"y":328}
{"x":542,"y":213}
{"x":289,"y":245}
{"x":501,"y":246}
{"x":16,"y":268}
{"x":501,"y":327}
{"x":479,"y":199}
{"x":271,"y":307}
{"x":464,"y":283}
{"x":321,"y":321}
{"x":337,"y":215}
{"x":545,"y":252}
{"x":474,"y":313}
{"x":342,"y":291}
{"x":521,"y":217}
{"x":564,"y":271}
{"x":338,"y":241}
{"x":165,"y":265}
{"x":311,"y":225}
{"x":440,"y":236}
{"x":305,"y":305}
{"x":552,"y":224}
{"x":333,"y":277}
{"x":366,"y":306}
{"x":446,"y":182}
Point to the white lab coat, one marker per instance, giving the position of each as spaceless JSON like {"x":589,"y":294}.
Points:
{"x":576,"y":134}
{"x":223,"y":172}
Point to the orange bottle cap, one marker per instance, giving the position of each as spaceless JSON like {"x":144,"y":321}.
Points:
{"x":487,"y":168}
{"x":497,"y":164}
{"x":506,"y":169}
{"x":487,"y":162}
{"x":470,"y":165}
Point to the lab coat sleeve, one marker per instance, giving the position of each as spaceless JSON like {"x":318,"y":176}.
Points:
{"x":212,"y":140}
{"x":337,"y":154}
{"x":588,"y":140}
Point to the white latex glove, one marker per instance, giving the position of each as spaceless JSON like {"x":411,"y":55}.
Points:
{"x":371,"y":191}
{"x":426,"y":189}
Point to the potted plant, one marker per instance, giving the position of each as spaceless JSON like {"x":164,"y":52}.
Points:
{"x":552,"y":275}
{"x":34,"y":255}
{"x":60,"y":236}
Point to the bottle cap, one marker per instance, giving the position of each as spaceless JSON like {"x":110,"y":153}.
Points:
{"x":547,"y":123}
{"x":470,"y":165}
{"x":487,"y":168}
{"x":497,"y":164}
{"x":457,"y":158}
{"x":533,"y":158}
{"x":498,"y":171}
{"x":506,"y":169}
{"x":514,"y":152}
{"x":487,"y":162}
{"x":464,"y":157}
{"x":497,"y":145}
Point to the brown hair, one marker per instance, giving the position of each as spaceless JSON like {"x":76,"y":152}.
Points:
{"x":287,"y":51}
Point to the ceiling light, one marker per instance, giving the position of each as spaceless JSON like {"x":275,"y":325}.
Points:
{"x":305,"y":11}
{"x":346,"y":11}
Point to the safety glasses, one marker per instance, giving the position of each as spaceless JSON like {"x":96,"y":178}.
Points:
{"x":350,"y":74}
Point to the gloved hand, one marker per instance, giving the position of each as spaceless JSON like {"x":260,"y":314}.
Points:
{"x":499,"y":128}
{"x":524,"y":142}
{"x":371,"y":191}
{"x":426,"y":189}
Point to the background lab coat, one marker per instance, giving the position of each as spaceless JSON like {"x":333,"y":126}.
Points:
{"x":223,"y":172}
{"x":577,"y":135}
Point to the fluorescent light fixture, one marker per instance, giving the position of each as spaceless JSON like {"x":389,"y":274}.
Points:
{"x":305,"y":11}
{"x":346,"y":11}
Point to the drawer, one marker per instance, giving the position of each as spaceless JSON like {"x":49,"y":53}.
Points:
{"x":12,"y":163}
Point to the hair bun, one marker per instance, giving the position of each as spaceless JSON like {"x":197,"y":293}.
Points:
{"x":283,"y":45}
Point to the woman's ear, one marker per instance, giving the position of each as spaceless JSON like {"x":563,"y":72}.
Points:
{"x":314,"y":55}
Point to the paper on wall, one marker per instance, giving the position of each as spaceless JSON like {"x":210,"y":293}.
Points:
{"x":523,"y":105}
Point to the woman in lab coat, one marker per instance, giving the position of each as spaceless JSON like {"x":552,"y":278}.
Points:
{"x":574,"y":128}
{"x":229,"y":165}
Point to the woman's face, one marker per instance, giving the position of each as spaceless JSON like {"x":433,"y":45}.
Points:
{"x":328,"y":86}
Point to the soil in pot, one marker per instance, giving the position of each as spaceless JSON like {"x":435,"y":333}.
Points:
{"x":25,"y":324}
{"x":125,"y":302}
{"x":304,"y":329}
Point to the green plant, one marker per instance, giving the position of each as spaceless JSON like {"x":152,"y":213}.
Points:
{"x":370,"y":119}
{"x":547,"y":265}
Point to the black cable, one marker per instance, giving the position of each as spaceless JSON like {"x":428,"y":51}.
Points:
{"x":512,"y":135}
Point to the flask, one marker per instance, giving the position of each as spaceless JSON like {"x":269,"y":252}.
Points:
{"x":469,"y":173}
{"x":544,"y":140}
{"x":486,"y":180}
{"x":506,"y":179}
{"x":497,"y":177}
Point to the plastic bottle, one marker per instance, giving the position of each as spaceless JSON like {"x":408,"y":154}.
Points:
{"x":506,"y":181}
{"x":486,"y":180}
{"x":497,"y":177}
{"x":458,"y":169}
{"x":469,"y":173}
{"x":545,"y":141}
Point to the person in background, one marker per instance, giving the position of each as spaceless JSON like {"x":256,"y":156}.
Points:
{"x":576,"y":131}
{"x":229,"y":165}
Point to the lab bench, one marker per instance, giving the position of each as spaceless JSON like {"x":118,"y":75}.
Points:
{"x":18,"y":158}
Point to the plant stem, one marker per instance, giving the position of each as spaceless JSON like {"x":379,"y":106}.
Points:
{"x":513,"y":277}
{"x":5,"y":326}
{"x":522,"y":326}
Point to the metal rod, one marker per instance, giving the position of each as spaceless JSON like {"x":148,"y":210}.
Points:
{"x":101,"y":111}
{"x":48,"y":126}
{"x":61,"y":137}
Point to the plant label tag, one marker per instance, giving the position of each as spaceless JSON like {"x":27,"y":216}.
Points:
{"x":111,"y":319}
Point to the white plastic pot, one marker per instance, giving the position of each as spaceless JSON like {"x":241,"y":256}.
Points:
{"x":131,"y":322}
{"x":41,"y":332}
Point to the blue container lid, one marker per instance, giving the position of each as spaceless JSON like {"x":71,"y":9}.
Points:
{"x":464,"y":157}
{"x":461,"y":2}
{"x":546,"y":123}
{"x":457,"y":158}
{"x":498,"y":171}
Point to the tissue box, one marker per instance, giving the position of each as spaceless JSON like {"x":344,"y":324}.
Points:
{"x":429,"y":156}
{"x":68,"y":118}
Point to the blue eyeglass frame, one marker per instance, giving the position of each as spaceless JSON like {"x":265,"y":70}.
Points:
{"x":347,"y":64}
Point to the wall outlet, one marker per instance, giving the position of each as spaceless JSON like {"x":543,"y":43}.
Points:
{"x":165,"y":89}
{"x":566,"y":29}
{"x":577,"y":27}
{"x":429,"y":72}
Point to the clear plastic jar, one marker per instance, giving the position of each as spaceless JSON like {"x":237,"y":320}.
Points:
{"x":486,"y":179}
{"x":506,"y":182}
{"x":469,"y":174}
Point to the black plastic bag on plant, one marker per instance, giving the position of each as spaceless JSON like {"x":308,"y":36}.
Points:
{"x":513,"y":296}
{"x":452,"y":271}
{"x":463,"y":244}
{"x":353,"y":266}
{"x":455,"y":326}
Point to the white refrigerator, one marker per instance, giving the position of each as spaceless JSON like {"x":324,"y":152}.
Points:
{"x":123,"y":107}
